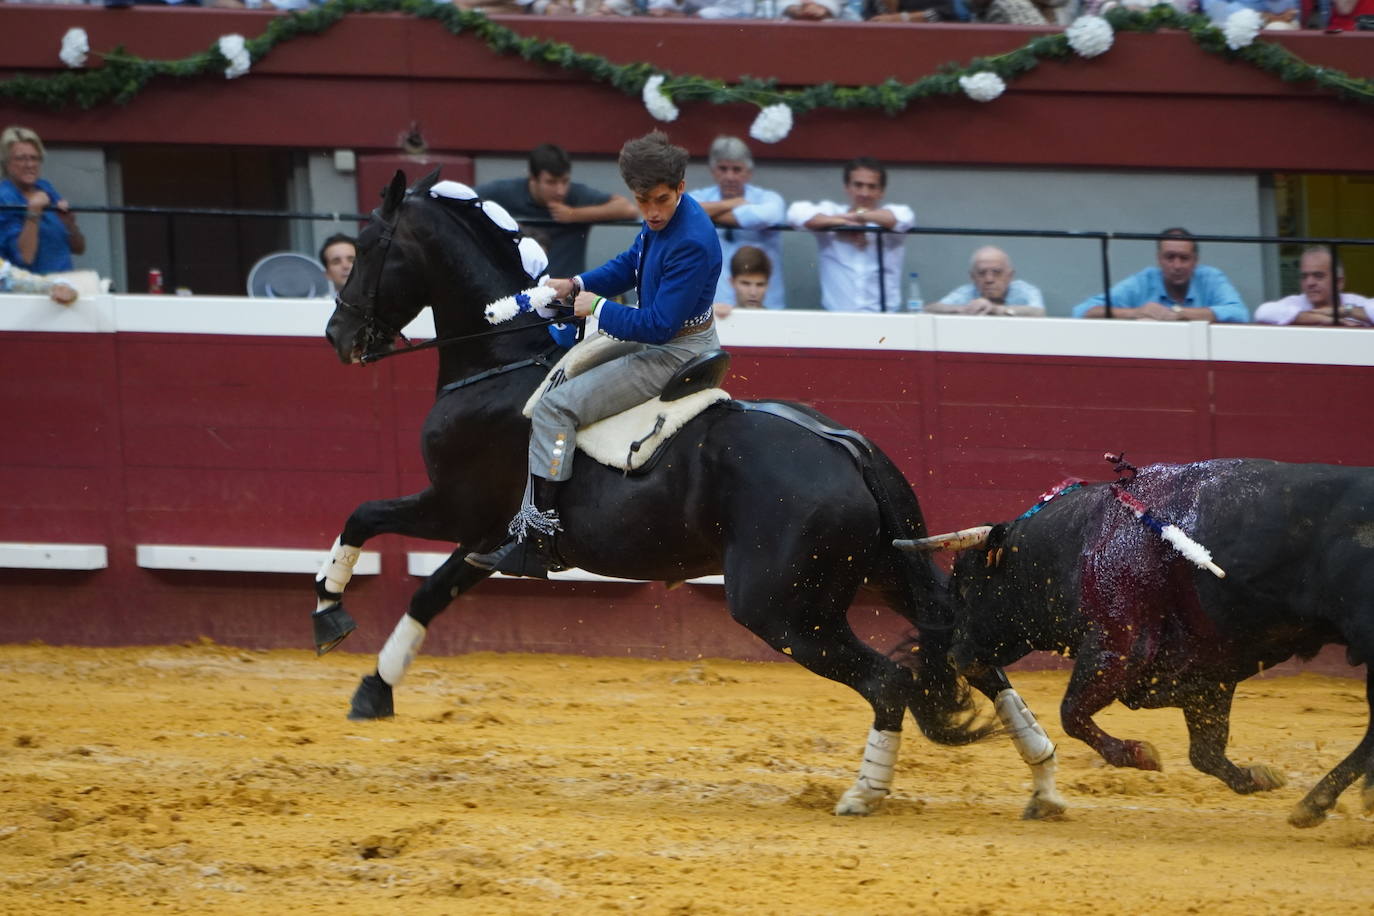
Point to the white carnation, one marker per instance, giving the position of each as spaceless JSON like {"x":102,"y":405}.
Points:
{"x":233,"y":49}
{"x":75,"y":47}
{"x":773,"y":124}
{"x":1241,"y":28}
{"x":1090,"y":36}
{"x":658,"y":102}
{"x":983,"y":87}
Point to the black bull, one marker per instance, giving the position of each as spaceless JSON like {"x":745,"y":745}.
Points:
{"x":1148,"y":628}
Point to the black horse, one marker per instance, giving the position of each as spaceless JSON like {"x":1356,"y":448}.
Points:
{"x":797,"y":520}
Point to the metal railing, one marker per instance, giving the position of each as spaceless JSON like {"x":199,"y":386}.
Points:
{"x":1103,"y":237}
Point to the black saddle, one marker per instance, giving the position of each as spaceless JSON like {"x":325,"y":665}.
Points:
{"x":698,"y":374}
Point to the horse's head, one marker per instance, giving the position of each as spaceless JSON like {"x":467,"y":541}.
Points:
{"x":385,"y":290}
{"x":420,"y":249}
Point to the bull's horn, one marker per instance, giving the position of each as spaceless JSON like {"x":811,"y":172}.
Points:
{"x":955,"y":540}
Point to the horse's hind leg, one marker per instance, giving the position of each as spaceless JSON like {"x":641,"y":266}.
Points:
{"x":1312,"y":810}
{"x":1029,"y":738}
{"x":373,"y":698}
{"x":418,"y":515}
{"x":818,"y":637}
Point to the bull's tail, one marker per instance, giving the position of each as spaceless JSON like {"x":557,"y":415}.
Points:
{"x":941,"y":701}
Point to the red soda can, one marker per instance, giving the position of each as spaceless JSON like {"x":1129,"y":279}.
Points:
{"x":154,"y":280}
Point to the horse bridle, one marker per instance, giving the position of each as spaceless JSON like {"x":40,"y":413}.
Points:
{"x":375,"y":327}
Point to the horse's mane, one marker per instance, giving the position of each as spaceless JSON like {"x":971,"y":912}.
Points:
{"x":493,"y":243}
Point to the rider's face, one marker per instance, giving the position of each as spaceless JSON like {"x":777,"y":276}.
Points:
{"x":658,"y":204}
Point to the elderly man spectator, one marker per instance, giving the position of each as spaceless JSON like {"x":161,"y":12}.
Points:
{"x":550,"y":195}
{"x":1313,"y":305}
{"x":849,"y":258}
{"x":1177,"y":289}
{"x":744,"y":214}
{"x":995,"y":290}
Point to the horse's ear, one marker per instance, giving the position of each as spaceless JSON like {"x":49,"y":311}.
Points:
{"x":424,"y":184}
{"x":394,"y":193}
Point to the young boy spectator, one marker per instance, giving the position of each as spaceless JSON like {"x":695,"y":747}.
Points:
{"x":337,"y":255}
{"x":750,"y":272}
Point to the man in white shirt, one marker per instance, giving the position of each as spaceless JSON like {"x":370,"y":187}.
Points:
{"x":1312,"y":306}
{"x":744,"y":214}
{"x":849,"y":259}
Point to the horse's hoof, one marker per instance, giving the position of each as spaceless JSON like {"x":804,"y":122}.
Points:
{"x":372,"y":700}
{"x":856,"y":802}
{"x":1306,"y":814}
{"x":332,"y":625}
{"x":1044,"y":807}
{"x":1265,"y":777}
{"x":1144,"y":756}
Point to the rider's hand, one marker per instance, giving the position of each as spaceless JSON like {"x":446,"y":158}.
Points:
{"x":585,"y":303}
{"x":562,"y":287}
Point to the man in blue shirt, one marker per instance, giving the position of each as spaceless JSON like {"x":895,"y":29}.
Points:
{"x":673,"y":264}
{"x":1179,"y":289}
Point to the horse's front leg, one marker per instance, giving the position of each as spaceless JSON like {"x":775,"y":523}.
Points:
{"x":418,"y":515}
{"x":373,"y":698}
{"x":1034,"y":746}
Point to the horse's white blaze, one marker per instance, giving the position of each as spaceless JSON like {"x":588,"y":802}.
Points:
{"x":400,"y":650}
{"x":337,"y":570}
{"x":1029,"y":737}
{"x":875,"y":774}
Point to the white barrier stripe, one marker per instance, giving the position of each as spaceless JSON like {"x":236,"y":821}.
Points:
{"x":247,"y":559}
{"x":423,"y":563}
{"x":15,"y":555}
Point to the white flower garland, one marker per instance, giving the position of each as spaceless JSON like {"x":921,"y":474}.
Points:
{"x":1090,"y":36}
{"x":659,"y":103}
{"x":1241,"y":28}
{"x":75,"y":47}
{"x":982,"y":87}
{"x":772,"y":124}
{"x":233,"y":49}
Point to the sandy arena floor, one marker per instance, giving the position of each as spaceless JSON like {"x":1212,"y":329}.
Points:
{"x":206,"y":779}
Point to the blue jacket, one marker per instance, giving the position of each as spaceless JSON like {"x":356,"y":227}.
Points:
{"x":674,"y":271}
{"x":54,"y":248}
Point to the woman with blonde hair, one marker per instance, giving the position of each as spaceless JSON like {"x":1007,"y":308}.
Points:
{"x":43,"y":236}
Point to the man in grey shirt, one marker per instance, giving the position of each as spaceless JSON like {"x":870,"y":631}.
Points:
{"x":569,"y":208}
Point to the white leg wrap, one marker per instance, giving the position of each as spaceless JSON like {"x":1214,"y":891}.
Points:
{"x":400,"y":650}
{"x":1030,"y":739}
{"x":875,"y":774}
{"x":337,"y":570}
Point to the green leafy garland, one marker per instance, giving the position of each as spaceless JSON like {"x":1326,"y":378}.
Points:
{"x":124,"y":75}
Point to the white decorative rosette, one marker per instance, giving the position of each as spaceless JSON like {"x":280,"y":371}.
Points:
{"x":983,"y":87}
{"x":772,"y":124}
{"x":1090,"y":36}
{"x":233,"y":49}
{"x":534,"y":299}
{"x":75,"y":47}
{"x":658,"y":102}
{"x":1241,"y":28}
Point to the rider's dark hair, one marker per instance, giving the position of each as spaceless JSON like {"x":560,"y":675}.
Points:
{"x":651,"y":160}
{"x":335,"y":239}
{"x":551,"y":158}
{"x":1177,"y":232}
{"x":866,"y":162}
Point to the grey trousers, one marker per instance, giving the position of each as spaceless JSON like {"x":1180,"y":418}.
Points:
{"x":635,"y":373}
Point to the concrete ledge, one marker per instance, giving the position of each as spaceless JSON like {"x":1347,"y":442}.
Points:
{"x":247,"y":559}
{"x":53,"y":556}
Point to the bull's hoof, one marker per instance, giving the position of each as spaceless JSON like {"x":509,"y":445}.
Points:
{"x":1367,"y":797}
{"x":1306,"y":814}
{"x":332,"y":625}
{"x":857,"y":801}
{"x":1044,"y":807}
{"x":372,"y":700}
{"x":1144,"y":756}
{"x":1264,"y":777}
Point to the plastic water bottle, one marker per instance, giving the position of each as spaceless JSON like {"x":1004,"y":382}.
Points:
{"x":914,"y":302}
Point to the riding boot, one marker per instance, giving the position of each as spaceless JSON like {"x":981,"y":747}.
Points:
{"x":531,"y":550}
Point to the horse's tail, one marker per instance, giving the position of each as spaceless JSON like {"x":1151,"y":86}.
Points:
{"x":914,"y":587}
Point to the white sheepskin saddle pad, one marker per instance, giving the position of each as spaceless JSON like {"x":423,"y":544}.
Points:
{"x":608,"y":441}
